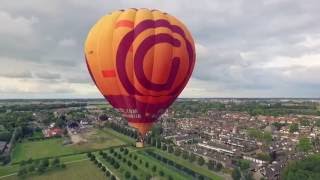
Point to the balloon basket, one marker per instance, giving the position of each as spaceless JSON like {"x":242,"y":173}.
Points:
{"x":139,"y":144}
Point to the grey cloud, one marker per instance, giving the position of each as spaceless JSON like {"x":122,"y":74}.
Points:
{"x":16,"y":74}
{"x":48,"y":75}
{"x":237,"y":38}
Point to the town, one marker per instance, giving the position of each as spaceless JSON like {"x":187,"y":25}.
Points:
{"x":261,"y":136}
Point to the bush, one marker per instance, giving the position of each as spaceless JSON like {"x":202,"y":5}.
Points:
{"x":146,"y":164}
{"x":154,"y":168}
{"x":135,"y":157}
{"x":148,"y":177}
{"x":108,"y":173}
{"x":113,"y":177}
{"x":125,"y":151}
{"x":89,"y":154}
{"x":164,"y":147}
{"x":135,"y":167}
{"x":161,"y":173}
{"x":103,"y":168}
{"x":127,"y":174}
{"x":116,"y":165}
{"x":134,"y":178}
{"x":111,"y":150}
{"x":62,"y":166}
{"x":129,"y":163}
{"x":121,"y":149}
{"x":201,"y":161}
{"x":31,"y":168}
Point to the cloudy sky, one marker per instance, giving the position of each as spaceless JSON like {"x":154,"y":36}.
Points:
{"x":251,"y":48}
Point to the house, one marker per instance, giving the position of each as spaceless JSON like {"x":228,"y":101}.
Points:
{"x":52,"y":132}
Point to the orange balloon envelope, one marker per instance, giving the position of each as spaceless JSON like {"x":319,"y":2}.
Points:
{"x":140,"y":60}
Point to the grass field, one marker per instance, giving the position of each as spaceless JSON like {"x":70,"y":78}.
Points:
{"x":40,"y":149}
{"x":83,"y":170}
{"x":99,"y":139}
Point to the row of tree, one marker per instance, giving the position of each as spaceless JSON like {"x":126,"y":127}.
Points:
{"x":39,"y":166}
{"x":93,"y":158}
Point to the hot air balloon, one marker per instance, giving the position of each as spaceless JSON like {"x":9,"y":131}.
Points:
{"x":140,"y":60}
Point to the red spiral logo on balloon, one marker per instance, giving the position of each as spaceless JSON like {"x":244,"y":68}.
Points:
{"x":143,"y":48}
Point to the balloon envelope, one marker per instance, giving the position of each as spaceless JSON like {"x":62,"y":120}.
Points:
{"x":140,"y":60}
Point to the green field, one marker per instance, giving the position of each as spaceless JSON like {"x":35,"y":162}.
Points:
{"x":54,"y":147}
{"x":40,"y":149}
{"x":83,"y":170}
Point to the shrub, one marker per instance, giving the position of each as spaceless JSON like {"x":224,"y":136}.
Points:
{"x":154,"y":168}
{"x":161,"y":173}
{"x":108,"y":173}
{"x":129,"y":163}
{"x":127,"y":174}
{"x":135,"y":167}
{"x":146,"y":164}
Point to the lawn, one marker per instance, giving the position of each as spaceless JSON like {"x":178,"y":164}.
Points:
{"x":40,"y":149}
{"x":98,"y":139}
{"x":123,"y":137}
{"x":202,"y":170}
{"x":84,"y":170}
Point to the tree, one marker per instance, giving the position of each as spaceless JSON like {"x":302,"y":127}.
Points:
{"x":55,"y":162}
{"x":192,"y":157}
{"x":113,"y":177}
{"x":201,"y":161}
{"x":154,"y":168}
{"x":31,"y":168}
{"x":264,"y":156}
{"x":304,"y":144}
{"x":236,"y":174}
{"x":170,"y":149}
{"x":126,"y":151}
{"x":294,"y":127}
{"x":158,"y":143}
{"x":45,"y":163}
{"x":304,"y":122}
{"x":146,"y":164}
{"x":161,"y":173}
{"x":164,"y":147}
{"x":219,"y":166}
{"x":211,"y":164}
{"x":244,"y":164}
{"x":185,"y":155}
{"x":103,"y":168}
{"x":22,"y":172}
{"x":108,"y":173}
{"x":134,"y":178}
{"x":129,"y":163}
{"x":317,"y":123}
{"x":177,"y":152}
{"x":127,"y":174}
{"x":135,"y":167}
{"x":116,"y":165}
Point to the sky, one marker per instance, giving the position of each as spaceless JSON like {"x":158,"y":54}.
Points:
{"x":245,"y":48}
